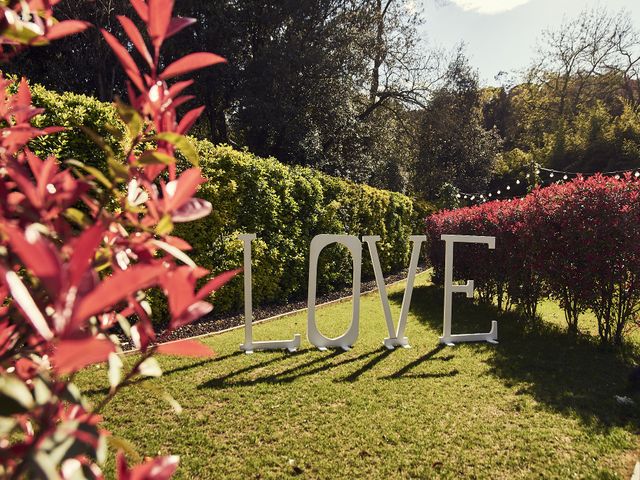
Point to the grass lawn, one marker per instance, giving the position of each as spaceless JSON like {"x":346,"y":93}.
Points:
{"x":536,"y":405}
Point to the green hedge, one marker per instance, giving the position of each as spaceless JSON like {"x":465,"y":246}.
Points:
{"x":285,"y":206}
{"x":73,"y":112}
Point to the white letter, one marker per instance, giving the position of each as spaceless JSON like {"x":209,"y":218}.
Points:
{"x":450,"y":288}
{"x":396,"y":336}
{"x":249,"y":345}
{"x":354,"y":245}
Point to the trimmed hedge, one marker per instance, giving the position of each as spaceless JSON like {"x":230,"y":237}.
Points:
{"x":285,"y":206}
{"x":76,"y":112}
{"x":575,"y":242}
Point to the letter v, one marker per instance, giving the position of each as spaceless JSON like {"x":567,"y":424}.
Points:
{"x":396,"y":336}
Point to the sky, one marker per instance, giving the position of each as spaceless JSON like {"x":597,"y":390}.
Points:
{"x":501,"y":35}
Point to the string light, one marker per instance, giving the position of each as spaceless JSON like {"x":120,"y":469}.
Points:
{"x":482,"y":198}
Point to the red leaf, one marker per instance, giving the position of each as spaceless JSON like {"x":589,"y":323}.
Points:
{"x":48,"y":169}
{"x":115,"y":288}
{"x":141,"y":9}
{"x":217,"y":282}
{"x":177,"y":24}
{"x":188,"y":63}
{"x":50,"y":130}
{"x":191,"y":314}
{"x":189,"y":119}
{"x":23,"y":181}
{"x":178,"y":87}
{"x":24,"y":98}
{"x":179,"y":285}
{"x":184,"y":188}
{"x":35,"y":163}
{"x":130,"y":67}
{"x":84,"y":248}
{"x":159,"y":19}
{"x":66,"y":28}
{"x":178,"y":243}
{"x":186,"y":348}
{"x":160,"y":468}
{"x":136,"y":38}
{"x":193,"y":209}
{"x":38,"y":255}
{"x":74,"y":354}
{"x":181,"y":100}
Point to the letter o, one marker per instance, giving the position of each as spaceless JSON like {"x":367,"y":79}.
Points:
{"x":346,"y":340}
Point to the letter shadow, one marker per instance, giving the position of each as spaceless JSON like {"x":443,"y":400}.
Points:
{"x":320,"y":364}
{"x":429,"y":356}
{"x":537,"y":357}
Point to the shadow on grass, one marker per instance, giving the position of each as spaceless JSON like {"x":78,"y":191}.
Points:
{"x":323,"y":364}
{"x":566,"y":374}
{"x":429,"y":356}
{"x":171,"y":371}
{"x":311,"y":367}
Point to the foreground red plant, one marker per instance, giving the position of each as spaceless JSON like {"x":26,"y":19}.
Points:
{"x":79,"y":247}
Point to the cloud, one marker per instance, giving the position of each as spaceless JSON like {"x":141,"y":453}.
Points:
{"x":488,"y":7}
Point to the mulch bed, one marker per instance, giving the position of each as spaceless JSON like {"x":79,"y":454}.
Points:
{"x":213,"y":322}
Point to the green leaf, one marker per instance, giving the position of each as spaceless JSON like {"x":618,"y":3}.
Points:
{"x":20,"y":31}
{"x":114,"y":131}
{"x":41,"y":391}
{"x":150,"y":368}
{"x":7,"y":424}
{"x":126,"y":446}
{"x":124,"y":324}
{"x":77,"y":216}
{"x":15,"y":396}
{"x":115,"y":369}
{"x":45,"y":466}
{"x":97,"y":174}
{"x":131,"y":118}
{"x":118,"y":170}
{"x":165,"y":226}
{"x":98,"y":140}
{"x":183,"y":144}
{"x":151,"y":157}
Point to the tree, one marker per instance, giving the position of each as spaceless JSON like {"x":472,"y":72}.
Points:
{"x":594,"y":57}
{"x":454,"y":145}
{"x":324,"y":83}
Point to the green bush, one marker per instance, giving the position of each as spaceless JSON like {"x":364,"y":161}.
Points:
{"x":75,"y":113}
{"x":285,"y":206}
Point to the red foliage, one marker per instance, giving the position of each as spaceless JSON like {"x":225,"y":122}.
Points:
{"x":575,"y":241}
{"x":72,"y":266}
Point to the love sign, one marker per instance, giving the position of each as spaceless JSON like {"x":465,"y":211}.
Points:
{"x":345,"y":341}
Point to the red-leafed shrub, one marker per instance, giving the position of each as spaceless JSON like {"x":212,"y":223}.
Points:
{"x":78,"y":247}
{"x":576,"y":242}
